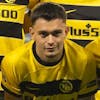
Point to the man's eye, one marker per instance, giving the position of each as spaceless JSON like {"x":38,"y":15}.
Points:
{"x":43,"y":34}
{"x":56,"y":33}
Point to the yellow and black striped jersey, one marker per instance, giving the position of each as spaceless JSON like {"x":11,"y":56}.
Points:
{"x":11,"y":20}
{"x":83,"y":19}
{"x":25,"y":74}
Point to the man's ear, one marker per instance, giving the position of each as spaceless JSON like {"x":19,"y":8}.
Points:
{"x":67,"y":30}
{"x":31,"y":33}
{"x":30,"y":30}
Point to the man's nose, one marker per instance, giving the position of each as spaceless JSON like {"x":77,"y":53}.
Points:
{"x":50,"y":39}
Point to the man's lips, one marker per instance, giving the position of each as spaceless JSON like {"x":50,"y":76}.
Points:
{"x":51,"y":49}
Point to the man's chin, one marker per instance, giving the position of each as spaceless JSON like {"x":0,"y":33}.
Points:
{"x":50,"y":56}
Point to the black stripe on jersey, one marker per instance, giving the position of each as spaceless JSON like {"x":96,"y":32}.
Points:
{"x":1,"y":95}
{"x":10,"y":92}
{"x":98,"y":72}
{"x":92,"y":83}
{"x":88,"y":94}
{"x":9,"y":29}
{"x":1,"y":57}
{"x":83,"y":12}
{"x":89,"y":85}
{"x":20,"y":2}
{"x":50,"y":88}
{"x":98,"y":77}
{"x":81,"y":42}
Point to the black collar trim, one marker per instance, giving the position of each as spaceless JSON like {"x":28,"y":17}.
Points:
{"x":43,"y":62}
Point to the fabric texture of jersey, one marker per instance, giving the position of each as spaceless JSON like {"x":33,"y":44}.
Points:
{"x":69,"y":78}
{"x":83,"y":19}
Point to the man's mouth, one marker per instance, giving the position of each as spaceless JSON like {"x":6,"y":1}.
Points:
{"x":50,"y":49}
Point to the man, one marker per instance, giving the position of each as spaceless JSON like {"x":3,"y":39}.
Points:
{"x":50,"y":67}
{"x":83,"y":19}
{"x":94,"y":48}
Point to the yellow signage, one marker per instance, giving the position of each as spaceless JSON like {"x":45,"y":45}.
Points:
{"x":83,"y":29}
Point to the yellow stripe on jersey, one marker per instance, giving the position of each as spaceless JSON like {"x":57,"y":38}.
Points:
{"x":12,"y":13}
{"x":0,"y":81}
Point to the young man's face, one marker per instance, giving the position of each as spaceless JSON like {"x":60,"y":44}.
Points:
{"x":49,"y":37}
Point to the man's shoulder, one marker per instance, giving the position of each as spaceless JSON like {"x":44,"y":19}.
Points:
{"x":76,"y":55}
{"x":17,"y":60}
{"x":19,"y":53}
{"x":94,"y":42}
{"x":73,"y":47}
{"x":79,"y":56}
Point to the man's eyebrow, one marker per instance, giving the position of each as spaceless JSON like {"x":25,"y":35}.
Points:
{"x":57,"y":31}
{"x":43,"y":31}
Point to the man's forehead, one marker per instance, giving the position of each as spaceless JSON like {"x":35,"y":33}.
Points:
{"x":42,"y":20}
{"x":48,"y":26}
